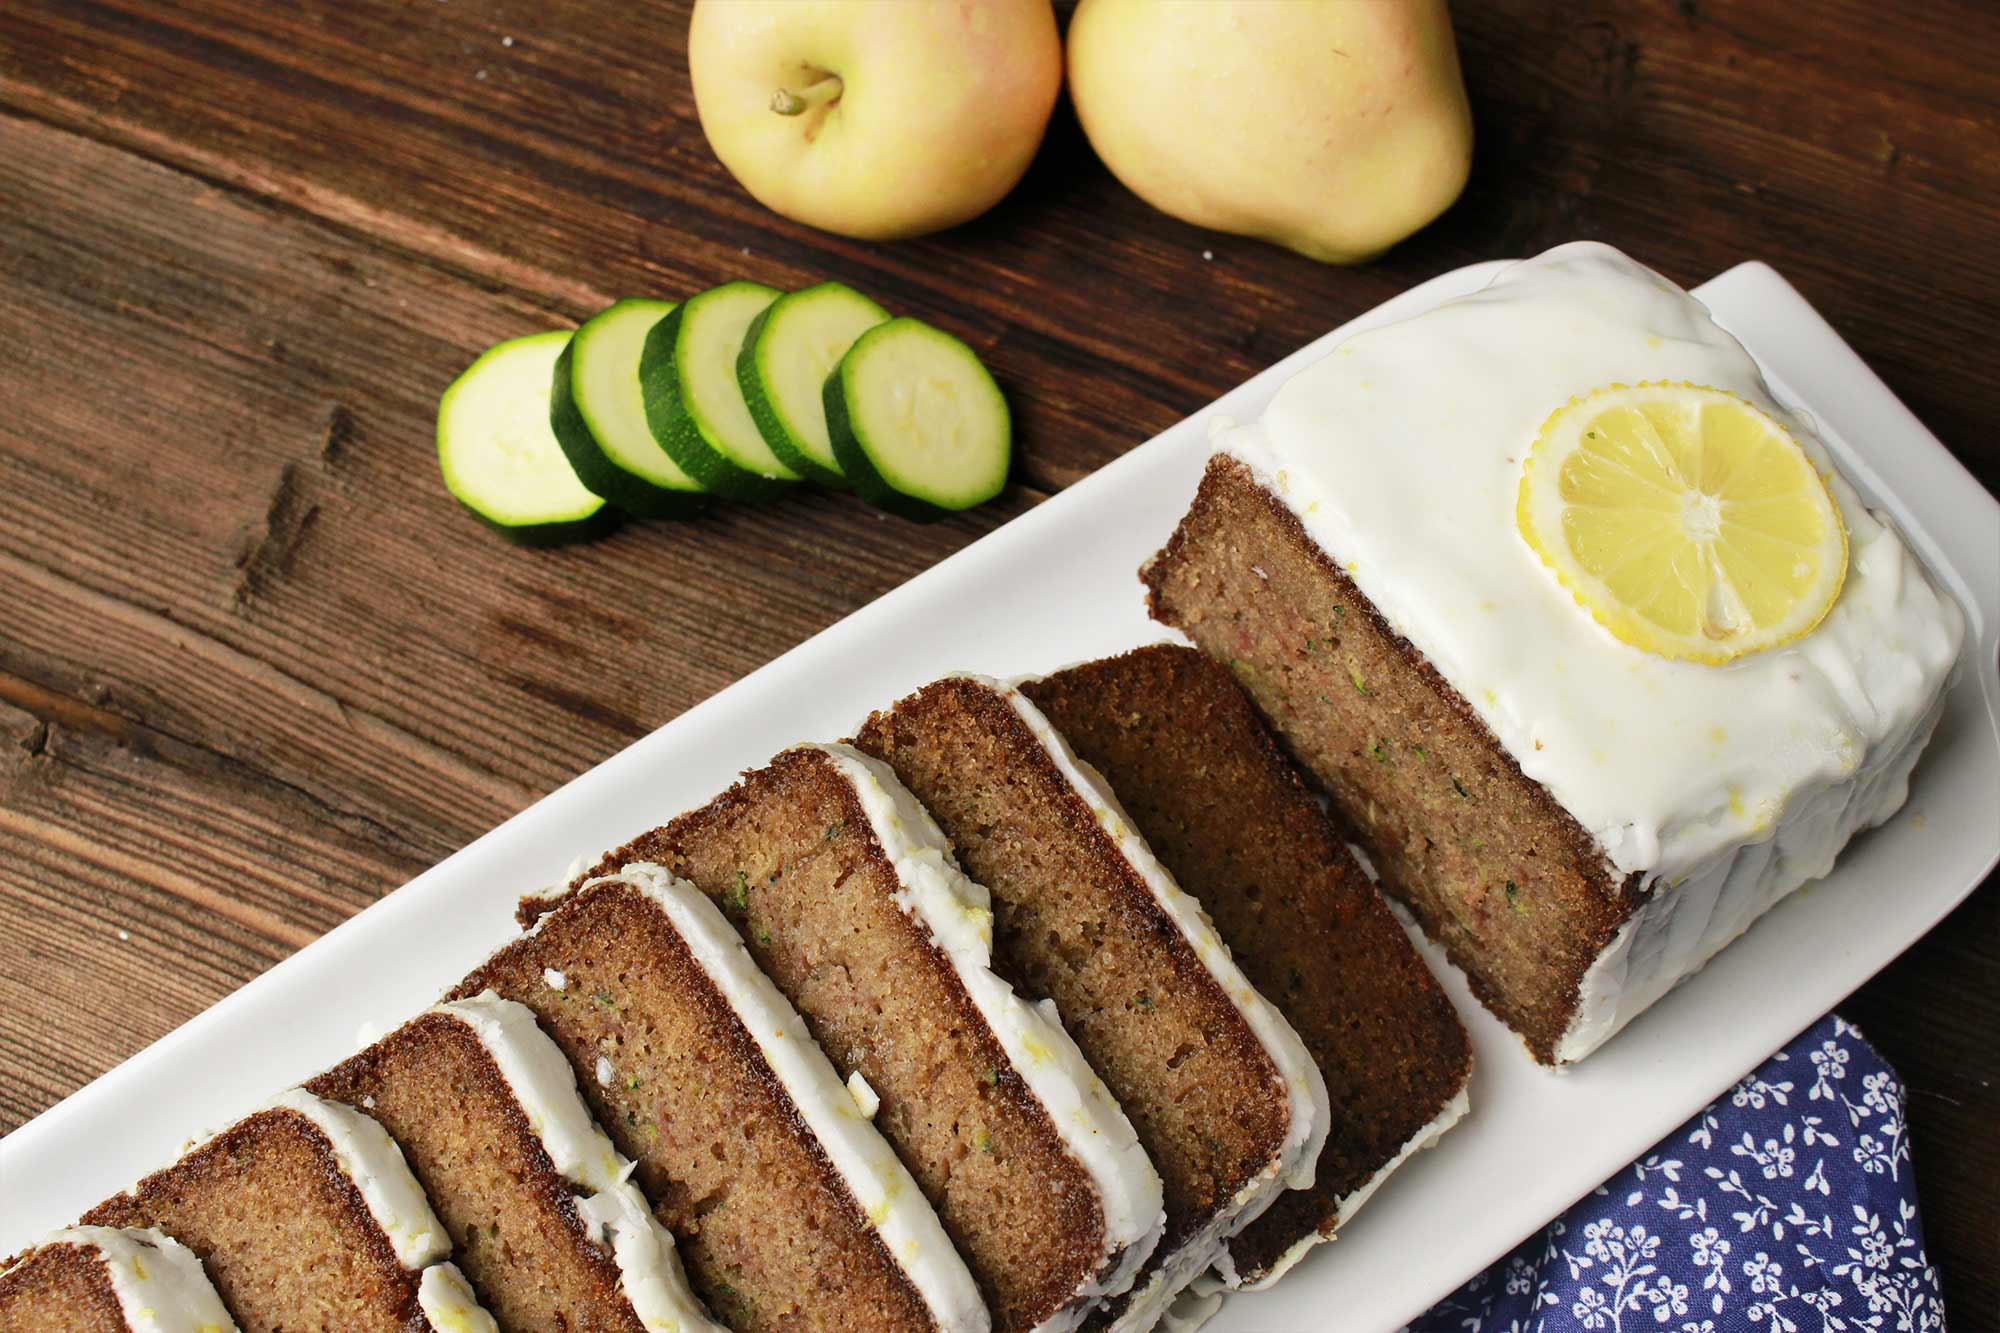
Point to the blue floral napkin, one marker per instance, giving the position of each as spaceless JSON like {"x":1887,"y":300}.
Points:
{"x":1788,"y":1206}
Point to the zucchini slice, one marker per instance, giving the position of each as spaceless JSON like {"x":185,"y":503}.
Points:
{"x":499,"y":456}
{"x":693,"y":402}
{"x":788,"y":352}
{"x":599,"y":416}
{"x":918,"y":425}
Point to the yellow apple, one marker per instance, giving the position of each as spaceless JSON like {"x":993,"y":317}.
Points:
{"x":875,"y":118}
{"x":1336,"y":127}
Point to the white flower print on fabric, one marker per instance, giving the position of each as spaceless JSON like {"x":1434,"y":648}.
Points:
{"x":1785,"y":1207}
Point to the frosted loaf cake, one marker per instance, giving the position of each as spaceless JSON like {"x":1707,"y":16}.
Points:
{"x":848,"y":898}
{"x":1581,"y":821}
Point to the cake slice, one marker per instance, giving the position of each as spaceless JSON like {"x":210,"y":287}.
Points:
{"x":109,"y":1280}
{"x":1221,"y":1091}
{"x":541,"y":1215}
{"x":305,"y":1216}
{"x":789,"y":1209}
{"x":1579,"y":819}
{"x":848,"y":899}
{"x":1203,"y":781}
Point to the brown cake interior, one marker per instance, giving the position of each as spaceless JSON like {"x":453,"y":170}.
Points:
{"x":1073,"y":921}
{"x":512,"y":1217}
{"x":1493,"y":867}
{"x":770,"y":1235}
{"x":1228,"y":814}
{"x":59,"y":1289}
{"x":285,"y":1236}
{"x":789,"y":856}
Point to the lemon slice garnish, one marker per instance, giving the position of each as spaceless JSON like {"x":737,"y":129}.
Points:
{"x":1688,"y":522}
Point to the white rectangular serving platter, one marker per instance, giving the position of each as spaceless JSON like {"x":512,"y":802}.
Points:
{"x":1058,"y":585}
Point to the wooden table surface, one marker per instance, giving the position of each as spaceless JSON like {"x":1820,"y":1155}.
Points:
{"x":256,"y":669}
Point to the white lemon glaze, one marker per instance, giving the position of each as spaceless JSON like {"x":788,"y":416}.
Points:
{"x":958,"y":914}
{"x":1198,"y":1302}
{"x":1722,"y":787}
{"x":611,"y":1209}
{"x":159,"y":1283}
{"x":447,"y":1301}
{"x":866,"y":1164}
{"x":649,"y":1268}
{"x":1691,"y":919}
{"x":1306,"y":1128}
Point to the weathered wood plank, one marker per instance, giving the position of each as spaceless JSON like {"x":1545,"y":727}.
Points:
{"x":1697,"y":135}
{"x":135,"y":857}
{"x":244,"y":509}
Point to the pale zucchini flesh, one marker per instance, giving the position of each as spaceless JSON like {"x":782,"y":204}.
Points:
{"x":499,"y":456}
{"x":917,"y":423}
{"x":694,"y":404}
{"x":598,"y":412}
{"x":787,"y":354}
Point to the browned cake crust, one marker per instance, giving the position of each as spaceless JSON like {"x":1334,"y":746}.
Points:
{"x":1228,"y":814}
{"x":770,"y":1234}
{"x":789,"y":856}
{"x":59,"y":1288}
{"x":1495,"y":870}
{"x":511,"y":1215}
{"x":1074,"y":922}
{"x":285,"y":1236}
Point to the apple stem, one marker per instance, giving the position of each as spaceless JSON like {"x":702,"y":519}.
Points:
{"x":788,"y":103}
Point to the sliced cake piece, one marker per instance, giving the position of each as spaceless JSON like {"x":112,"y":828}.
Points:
{"x":110,"y":1280}
{"x":848,"y":898}
{"x":1204,"y":781}
{"x":542,"y":1218}
{"x":1222,"y":1092}
{"x":306,"y":1217}
{"x":1579,"y":815}
{"x":789,"y":1209}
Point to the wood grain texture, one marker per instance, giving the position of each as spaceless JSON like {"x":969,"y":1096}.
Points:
{"x":1694,"y":136}
{"x":255,"y":667}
